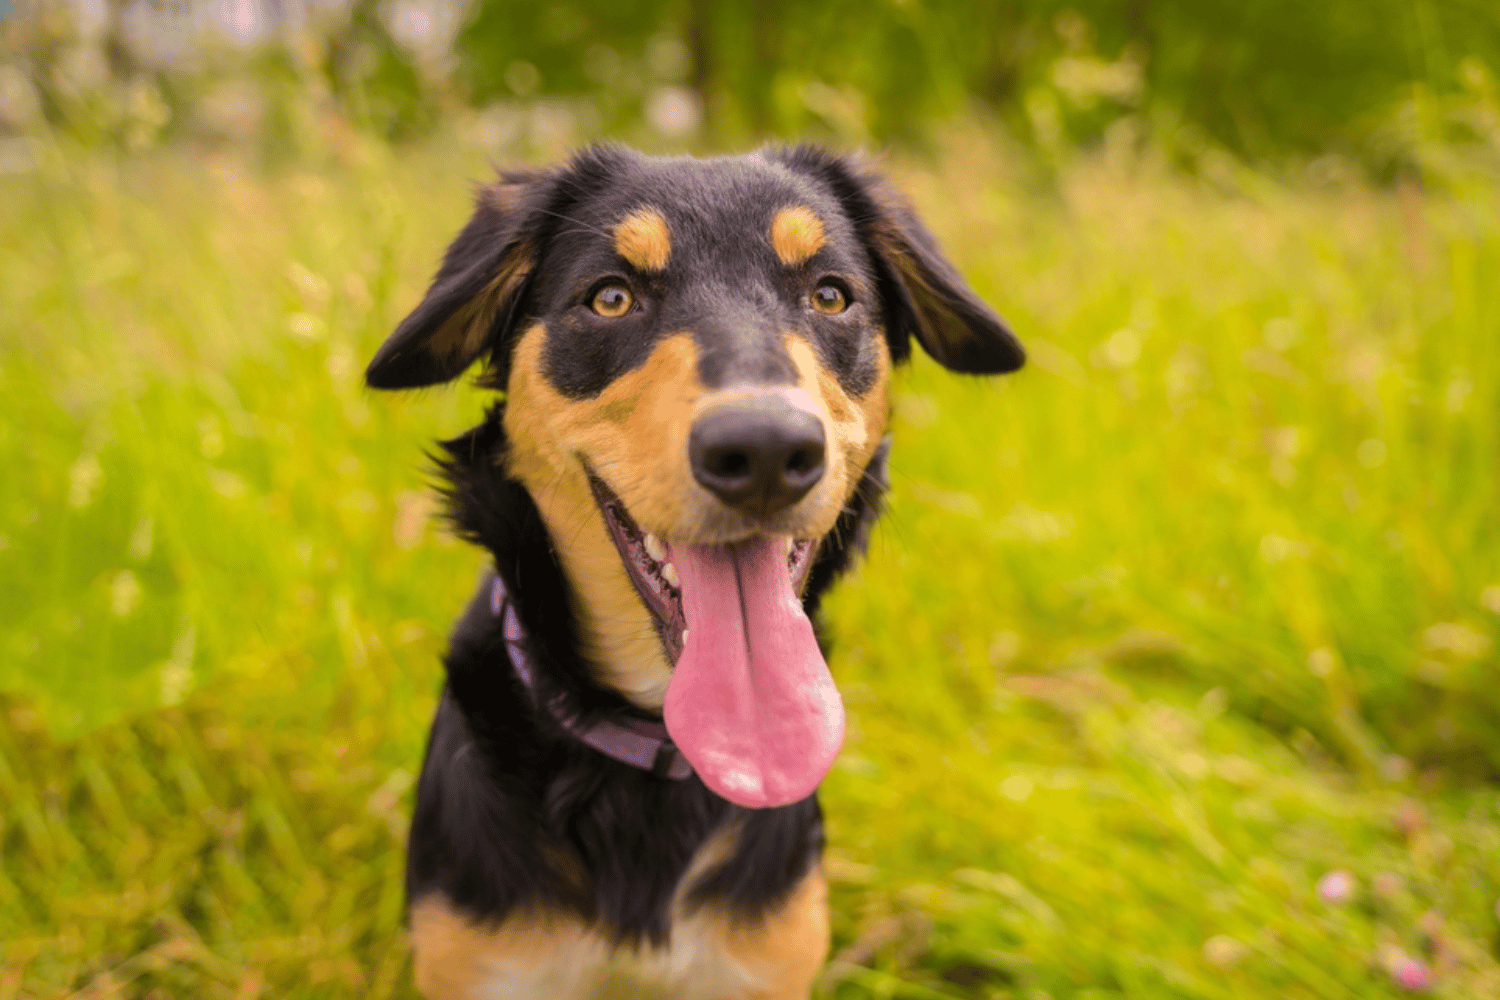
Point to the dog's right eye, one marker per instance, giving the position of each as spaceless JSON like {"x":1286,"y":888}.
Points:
{"x":612,"y":301}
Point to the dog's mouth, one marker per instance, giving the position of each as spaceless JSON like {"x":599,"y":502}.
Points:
{"x":657,"y":578}
{"x":751,"y":703}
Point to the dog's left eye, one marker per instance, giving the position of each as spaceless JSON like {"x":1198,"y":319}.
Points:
{"x":612,"y":301}
{"x":830,"y":299}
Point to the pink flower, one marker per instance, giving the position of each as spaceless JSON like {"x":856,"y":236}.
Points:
{"x":1410,"y":818}
{"x":1336,"y":887}
{"x":1412,"y":975}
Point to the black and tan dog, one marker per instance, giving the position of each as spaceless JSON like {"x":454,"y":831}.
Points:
{"x":619,"y":792}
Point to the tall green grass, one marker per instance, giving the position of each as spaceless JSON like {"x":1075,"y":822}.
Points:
{"x":1198,"y":608}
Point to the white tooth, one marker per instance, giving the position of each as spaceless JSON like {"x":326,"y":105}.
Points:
{"x":684,"y":636}
{"x":654,"y":549}
{"x":669,"y":572}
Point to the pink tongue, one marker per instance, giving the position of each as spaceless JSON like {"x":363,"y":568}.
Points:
{"x":751,"y":703}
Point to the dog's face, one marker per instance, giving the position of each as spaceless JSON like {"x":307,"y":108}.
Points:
{"x":696,"y":356}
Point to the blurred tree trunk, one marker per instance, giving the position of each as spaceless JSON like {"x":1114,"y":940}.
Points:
{"x":122,"y":62}
{"x":766,"y":36}
{"x":699,"y":36}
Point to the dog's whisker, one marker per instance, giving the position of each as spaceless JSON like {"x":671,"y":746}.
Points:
{"x":583,"y":226}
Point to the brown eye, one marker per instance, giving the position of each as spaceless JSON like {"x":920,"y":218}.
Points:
{"x":829,"y":299}
{"x":612,"y":301}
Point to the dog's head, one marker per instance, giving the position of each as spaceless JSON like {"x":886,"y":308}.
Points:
{"x":696,"y":357}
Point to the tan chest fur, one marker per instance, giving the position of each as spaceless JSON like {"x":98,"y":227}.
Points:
{"x":709,"y":956}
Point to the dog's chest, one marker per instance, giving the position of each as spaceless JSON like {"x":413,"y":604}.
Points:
{"x":576,"y":964}
{"x":709,"y":956}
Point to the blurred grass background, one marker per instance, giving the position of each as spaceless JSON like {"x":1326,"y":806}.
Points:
{"x":1171,"y":672}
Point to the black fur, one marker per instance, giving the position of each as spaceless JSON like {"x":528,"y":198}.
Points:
{"x":512,"y":811}
{"x":736,"y":298}
{"x":503,"y":783}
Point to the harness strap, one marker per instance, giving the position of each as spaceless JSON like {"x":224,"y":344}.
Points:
{"x":641,"y":744}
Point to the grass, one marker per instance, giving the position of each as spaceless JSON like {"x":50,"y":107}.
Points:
{"x":1198,"y":609}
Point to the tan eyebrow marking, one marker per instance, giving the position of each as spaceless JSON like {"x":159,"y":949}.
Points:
{"x":797,"y":234}
{"x":642,"y":238}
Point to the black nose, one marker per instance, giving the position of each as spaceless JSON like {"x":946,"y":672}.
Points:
{"x":758,"y":457}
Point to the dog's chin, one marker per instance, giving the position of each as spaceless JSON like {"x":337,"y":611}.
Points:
{"x":656,"y":579}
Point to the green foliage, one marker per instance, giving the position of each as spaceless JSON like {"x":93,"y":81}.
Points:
{"x":168,"y":358}
{"x":574,"y":49}
{"x":1195,"y":609}
{"x":1266,"y":437}
{"x":1258,"y":78}
{"x":1276,"y":74}
{"x":196,"y":854}
{"x":1263,"y":79}
{"x":381,"y":84}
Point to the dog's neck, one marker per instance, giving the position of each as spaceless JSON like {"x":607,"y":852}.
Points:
{"x":490,"y":508}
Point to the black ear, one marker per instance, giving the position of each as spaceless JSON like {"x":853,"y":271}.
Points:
{"x":923,"y":294}
{"x":474,"y":299}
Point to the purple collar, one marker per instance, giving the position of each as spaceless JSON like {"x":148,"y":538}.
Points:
{"x":641,"y":744}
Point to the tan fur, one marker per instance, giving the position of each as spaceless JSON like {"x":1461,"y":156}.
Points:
{"x":634,"y":435}
{"x":942,"y":333}
{"x":642,"y":238}
{"x":539,"y":956}
{"x":791,"y":944}
{"x":505,"y":198}
{"x":854,"y":424}
{"x":461,"y":337}
{"x":797,"y":233}
{"x":626,"y":435}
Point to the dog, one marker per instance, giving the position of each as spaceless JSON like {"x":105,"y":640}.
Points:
{"x":619,"y":791}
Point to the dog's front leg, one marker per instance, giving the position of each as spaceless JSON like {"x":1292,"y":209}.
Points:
{"x":775,"y":958}
{"x":531,"y":957}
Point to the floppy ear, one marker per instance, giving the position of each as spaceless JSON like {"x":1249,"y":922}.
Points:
{"x":927,"y":298}
{"x":476,"y":294}
{"x":922,"y":293}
